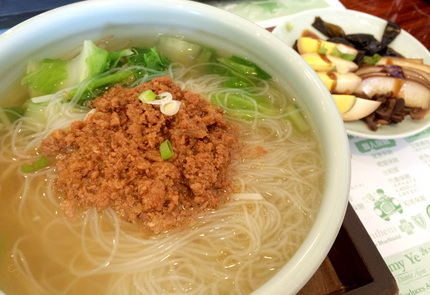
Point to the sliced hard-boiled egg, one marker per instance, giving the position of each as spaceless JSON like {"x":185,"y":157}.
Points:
{"x":340,"y":83}
{"x":319,"y":62}
{"x":328,"y":63}
{"x":344,"y":102}
{"x":313,"y":45}
{"x":361,"y":108}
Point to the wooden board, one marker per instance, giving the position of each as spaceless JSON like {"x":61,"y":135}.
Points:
{"x":353,"y":265}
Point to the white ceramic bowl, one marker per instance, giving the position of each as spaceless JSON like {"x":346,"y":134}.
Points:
{"x":55,"y":32}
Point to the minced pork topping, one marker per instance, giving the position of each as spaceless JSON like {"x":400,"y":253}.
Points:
{"x":112,"y":159}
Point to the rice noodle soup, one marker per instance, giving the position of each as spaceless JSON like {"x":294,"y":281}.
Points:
{"x":234,"y":248}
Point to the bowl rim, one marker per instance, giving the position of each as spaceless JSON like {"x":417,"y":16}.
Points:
{"x":324,"y":231}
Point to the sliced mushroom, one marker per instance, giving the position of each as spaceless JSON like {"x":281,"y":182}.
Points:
{"x":403,"y":62}
{"x":414,"y":60}
{"x":417,"y":75}
{"x":395,"y":71}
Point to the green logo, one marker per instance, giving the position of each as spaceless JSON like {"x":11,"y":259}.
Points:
{"x":419,"y":220}
{"x":406,"y":227}
{"x":368,"y":145}
{"x":386,"y":206}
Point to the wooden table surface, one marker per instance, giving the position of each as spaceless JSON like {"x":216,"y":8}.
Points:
{"x":412,"y":15}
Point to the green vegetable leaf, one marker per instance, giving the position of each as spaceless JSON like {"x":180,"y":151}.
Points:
{"x":97,"y":59}
{"x":244,"y":67}
{"x":98,"y":86}
{"x":46,"y":76}
{"x":295,"y":116}
{"x":138,"y":57}
{"x":244,"y":105}
{"x":154,"y":60}
{"x":14,"y":113}
{"x":147,"y":58}
{"x":111,"y":79}
{"x":237,"y":82}
{"x":185,"y":52}
{"x":114,"y":57}
{"x":35,"y":111}
{"x":90,"y":62}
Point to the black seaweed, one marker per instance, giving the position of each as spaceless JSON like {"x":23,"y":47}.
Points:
{"x":391,"y":52}
{"x":340,"y":40}
{"x":359,"y":59}
{"x":391,"y":31}
{"x":295,"y":46}
{"x":328,"y":29}
{"x":366,"y":44}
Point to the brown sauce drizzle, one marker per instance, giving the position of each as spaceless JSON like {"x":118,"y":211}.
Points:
{"x":333,"y":77}
{"x":398,"y":84}
{"x":325,"y":58}
{"x":309,"y":34}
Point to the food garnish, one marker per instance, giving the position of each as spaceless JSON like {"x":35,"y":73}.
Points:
{"x":368,"y":80}
{"x":39,"y":164}
{"x":147,"y":96}
{"x":168,"y":106}
{"x":166,"y":150}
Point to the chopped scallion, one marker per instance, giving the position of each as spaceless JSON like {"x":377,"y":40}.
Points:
{"x":166,"y":150}
{"x":160,"y":99}
{"x":372,"y":60}
{"x":336,"y":52}
{"x":347,"y":56}
{"x":170,"y":108}
{"x":147,"y":95}
{"x":42,"y":162}
{"x":322,"y":50}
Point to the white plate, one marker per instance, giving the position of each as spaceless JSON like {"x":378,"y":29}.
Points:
{"x":358,"y":22}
